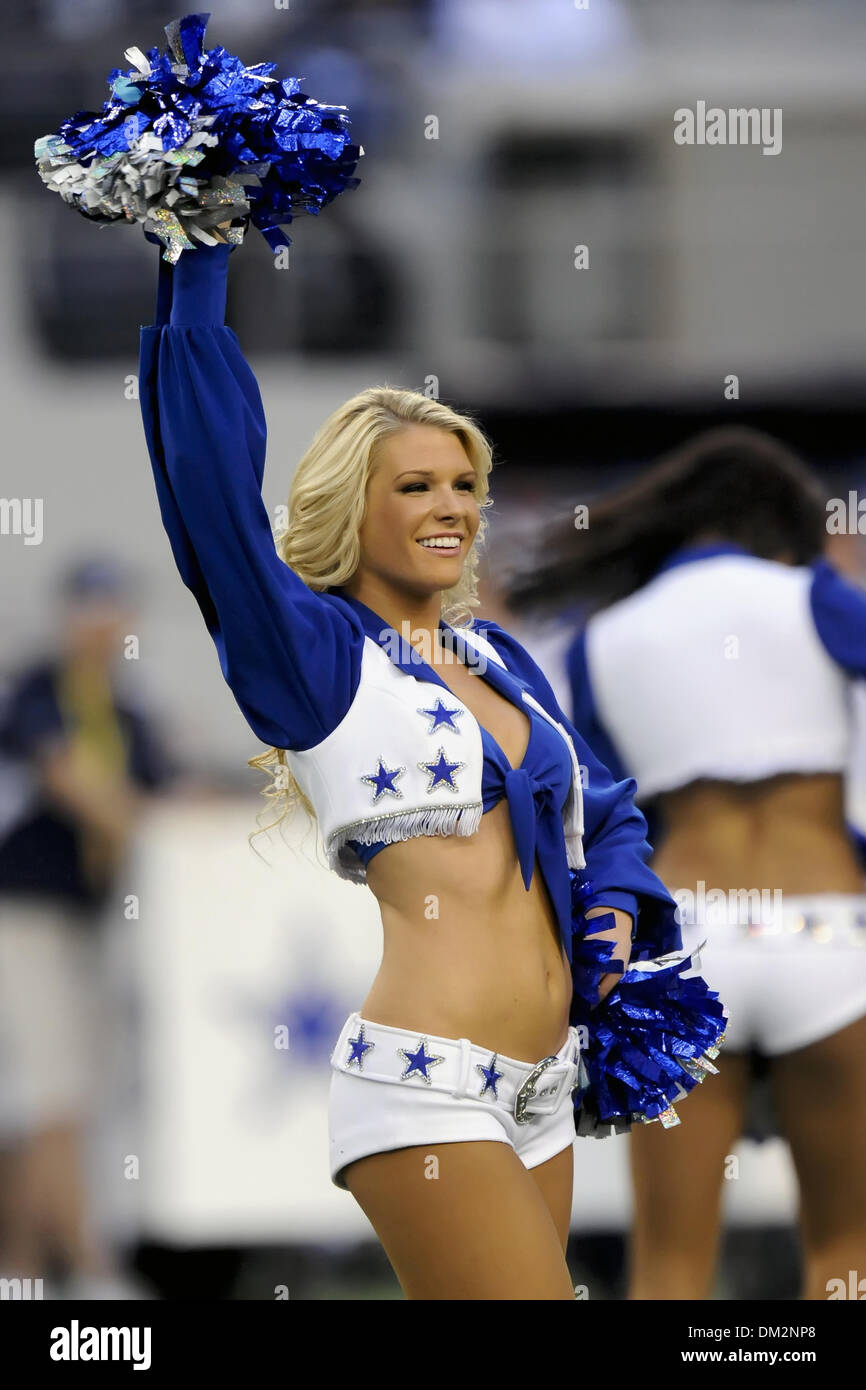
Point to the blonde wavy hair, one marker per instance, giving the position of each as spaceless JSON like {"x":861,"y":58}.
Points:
{"x":326,"y":509}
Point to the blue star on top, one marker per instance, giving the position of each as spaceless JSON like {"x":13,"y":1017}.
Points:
{"x":491,"y":1076}
{"x":440,"y":715}
{"x":441,"y":771}
{"x":383,"y":779}
{"x":418,"y":1061}
{"x":358,"y":1048}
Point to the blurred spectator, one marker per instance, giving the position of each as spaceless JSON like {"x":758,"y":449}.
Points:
{"x":76,"y":758}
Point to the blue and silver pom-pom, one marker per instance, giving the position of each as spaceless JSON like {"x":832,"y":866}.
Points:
{"x":650,"y":1040}
{"x":191,"y":138}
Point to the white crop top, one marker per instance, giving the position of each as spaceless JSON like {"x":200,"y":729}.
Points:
{"x":716,"y":669}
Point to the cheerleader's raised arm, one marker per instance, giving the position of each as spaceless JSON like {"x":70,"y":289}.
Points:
{"x":291,"y":657}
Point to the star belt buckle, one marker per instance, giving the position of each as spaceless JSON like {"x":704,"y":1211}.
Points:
{"x":526,"y":1090}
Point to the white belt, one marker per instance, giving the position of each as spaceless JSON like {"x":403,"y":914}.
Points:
{"x":820,"y":917}
{"x":458,"y":1066}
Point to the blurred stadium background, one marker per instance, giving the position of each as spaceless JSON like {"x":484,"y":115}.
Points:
{"x":499,"y":136}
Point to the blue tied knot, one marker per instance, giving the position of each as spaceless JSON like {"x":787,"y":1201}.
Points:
{"x":527,"y":799}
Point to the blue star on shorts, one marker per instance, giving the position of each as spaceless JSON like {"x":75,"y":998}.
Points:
{"x":418,"y":1061}
{"x":491,"y":1076}
{"x":358,"y":1049}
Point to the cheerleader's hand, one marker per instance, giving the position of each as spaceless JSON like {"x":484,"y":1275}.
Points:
{"x":621,"y":935}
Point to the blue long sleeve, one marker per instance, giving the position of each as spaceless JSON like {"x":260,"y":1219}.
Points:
{"x":838,"y":610}
{"x":614,"y":841}
{"x":291,"y":657}
{"x":839,"y":613}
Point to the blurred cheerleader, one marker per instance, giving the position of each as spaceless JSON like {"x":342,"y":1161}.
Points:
{"x":709,"y":584}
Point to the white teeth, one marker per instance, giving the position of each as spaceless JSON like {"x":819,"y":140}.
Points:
{"x":441,"y":543}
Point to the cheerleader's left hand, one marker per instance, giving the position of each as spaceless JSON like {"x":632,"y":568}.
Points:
{"x":621,"y":934}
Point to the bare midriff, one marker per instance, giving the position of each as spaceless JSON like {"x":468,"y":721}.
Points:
{"x":468,"y":951}
{"x":786,"y":833}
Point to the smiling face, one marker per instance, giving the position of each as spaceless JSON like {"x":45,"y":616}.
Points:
{"x":422,"y":485}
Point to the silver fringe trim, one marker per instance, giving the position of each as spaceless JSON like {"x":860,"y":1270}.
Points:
{"x":394,"y":826}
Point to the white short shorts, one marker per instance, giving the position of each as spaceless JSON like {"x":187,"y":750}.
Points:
{"x":381,"y":1098}
{"x":793,"y":974}
{"x":51,"y":1016}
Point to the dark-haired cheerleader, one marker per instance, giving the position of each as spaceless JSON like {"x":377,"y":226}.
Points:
{"x":709,"y":585}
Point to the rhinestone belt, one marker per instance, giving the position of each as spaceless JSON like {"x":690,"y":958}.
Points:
{"x":458,"y":1067}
